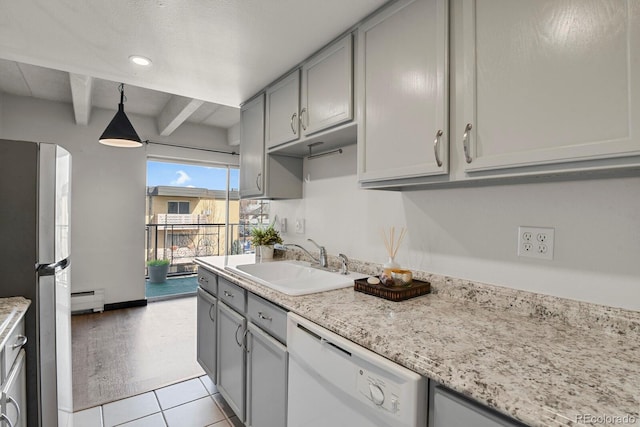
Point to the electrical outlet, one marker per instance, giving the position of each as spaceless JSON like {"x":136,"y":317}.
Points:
{"x":300,"y":225}
{"x":535,"y":242}
{"x":283,"y":225}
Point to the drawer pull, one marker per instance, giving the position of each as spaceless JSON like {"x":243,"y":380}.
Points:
{"x":202,"y":280}
{"x":228,"y":294}
{"x":263,"y":317}
{"x":20,"y":342}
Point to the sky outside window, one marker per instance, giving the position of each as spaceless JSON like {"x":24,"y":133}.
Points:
{"x":192,"y":176}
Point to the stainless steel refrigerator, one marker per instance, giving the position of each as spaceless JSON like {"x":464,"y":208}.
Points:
{"x":35,"y":208}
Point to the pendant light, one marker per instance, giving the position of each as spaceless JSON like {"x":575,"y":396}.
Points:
{"x":120,"y":132}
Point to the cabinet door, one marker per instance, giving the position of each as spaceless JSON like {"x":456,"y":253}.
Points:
{"x":14,"y":395}
{"x":402,"y":92}
{"x":549,"y":81}
{"x":283,"y":101}
{"x":252,"y":167}
{"x":206,"y":333}
{"x":231,"y":358}
{"x":327,"y":88}
{"x":447,"y":409}
{"x":267,"y":362}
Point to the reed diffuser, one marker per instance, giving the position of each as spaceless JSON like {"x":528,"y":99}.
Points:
{"x":392,"y":244}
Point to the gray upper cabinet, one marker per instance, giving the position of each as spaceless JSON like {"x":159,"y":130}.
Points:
{"x":264,"y":175}
{"x":327,"y":87}
{"x":402,"y":79}
{"x":283,"y":103}
{"x":252,"y":155}
{"x":548,"y":85}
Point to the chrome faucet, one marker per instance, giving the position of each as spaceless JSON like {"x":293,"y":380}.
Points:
{"x":323,"y":254}
{"x":321,"y":260}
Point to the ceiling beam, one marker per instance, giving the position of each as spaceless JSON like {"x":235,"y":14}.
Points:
{"x":81,"y":87}
{"x":177,"y":110}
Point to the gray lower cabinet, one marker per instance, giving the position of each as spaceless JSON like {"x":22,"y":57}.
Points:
{"x":267,"y":364}
{"x":449,"y":409}
{"x":206,"y":338}
{"x":13,"y":402}
{"x":231,"y":358}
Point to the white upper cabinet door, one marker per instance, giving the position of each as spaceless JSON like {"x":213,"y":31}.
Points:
{"x":252,"y":158}
{"x":549,"y":81}
{"x":283,"y":102}
{"x":327,"y":87}
{"x":402,"y":79}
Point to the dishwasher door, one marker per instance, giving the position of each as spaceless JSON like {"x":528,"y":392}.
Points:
{"x":334,"y":382}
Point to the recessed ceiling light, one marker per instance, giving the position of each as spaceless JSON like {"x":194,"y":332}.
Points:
{"x":140,"y":60}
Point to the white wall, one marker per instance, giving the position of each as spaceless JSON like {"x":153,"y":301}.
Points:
{"x":471,"y":233}
{"x":108,"y":198}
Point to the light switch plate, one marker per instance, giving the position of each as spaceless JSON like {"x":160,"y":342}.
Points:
{"x":300,"y":225}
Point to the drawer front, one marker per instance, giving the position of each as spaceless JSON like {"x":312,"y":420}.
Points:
{"x":268,"y":316}
{"x":232,"y":294}
{"x":208,"y":281}
{"x":15,"y":342}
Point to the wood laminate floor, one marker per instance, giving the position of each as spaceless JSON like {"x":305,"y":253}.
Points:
{"x":122,"y":353}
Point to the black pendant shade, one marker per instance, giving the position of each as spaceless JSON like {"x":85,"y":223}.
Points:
{"x":120,"y":132}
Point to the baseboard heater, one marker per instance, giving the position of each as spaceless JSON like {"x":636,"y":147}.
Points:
{"x":88,"y":301}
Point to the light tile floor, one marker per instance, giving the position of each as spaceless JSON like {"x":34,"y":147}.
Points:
{"x":191,"y":403}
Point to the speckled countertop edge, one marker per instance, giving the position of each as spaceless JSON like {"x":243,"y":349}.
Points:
{"x":541,"y":360}
{"x":12,"y":309}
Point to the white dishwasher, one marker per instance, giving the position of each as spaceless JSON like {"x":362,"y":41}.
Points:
{"x":335,"y":382}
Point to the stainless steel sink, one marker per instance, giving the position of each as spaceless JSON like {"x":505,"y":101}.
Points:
{"x":294,"y":277}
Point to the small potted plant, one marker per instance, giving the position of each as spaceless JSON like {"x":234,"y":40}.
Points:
{"x":158,"y":269}
{"x":263,"y":239}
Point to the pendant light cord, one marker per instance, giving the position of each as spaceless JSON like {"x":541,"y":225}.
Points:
{"x":233,"y":153}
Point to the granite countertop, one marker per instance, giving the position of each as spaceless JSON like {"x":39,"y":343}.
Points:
{"x":542,"y":360}
{"x":11,"y":311}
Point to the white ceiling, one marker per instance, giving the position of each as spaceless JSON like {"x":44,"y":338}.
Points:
{"x":217,"y":51}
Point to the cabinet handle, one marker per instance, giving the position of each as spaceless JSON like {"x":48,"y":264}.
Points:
{"x":13,"y":401}
{"x":228,"y":294}
{"x":202,"y":279}
{"x":258,"y":179}
{"x":465,"y":142}
{"x":263,"y":317}
{"x":304,"y":109}
{"x":211,"y":307}
{"x":293,"y":117}
{"x":20,"y":342}
{"x":436,"y":147}
{"x":244,"y":340}
{"x":236,"y":335}
{"x":3,"y":417}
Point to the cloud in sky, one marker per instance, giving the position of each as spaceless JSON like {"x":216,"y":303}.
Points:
{"x":182,"y":179}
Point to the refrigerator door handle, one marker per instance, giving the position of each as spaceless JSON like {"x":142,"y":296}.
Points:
{"x":52,"y":269}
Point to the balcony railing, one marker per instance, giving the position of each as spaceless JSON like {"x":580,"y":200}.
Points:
{"x":181,"y":243}
{"x":185,"y":221}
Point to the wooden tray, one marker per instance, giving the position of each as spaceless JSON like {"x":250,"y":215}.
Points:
{"x":417,"y":288}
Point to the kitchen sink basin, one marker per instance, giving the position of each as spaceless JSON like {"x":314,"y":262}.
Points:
{"x":295,"y":277}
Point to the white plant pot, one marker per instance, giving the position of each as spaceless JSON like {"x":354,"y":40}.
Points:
{"x":265,"y":252}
